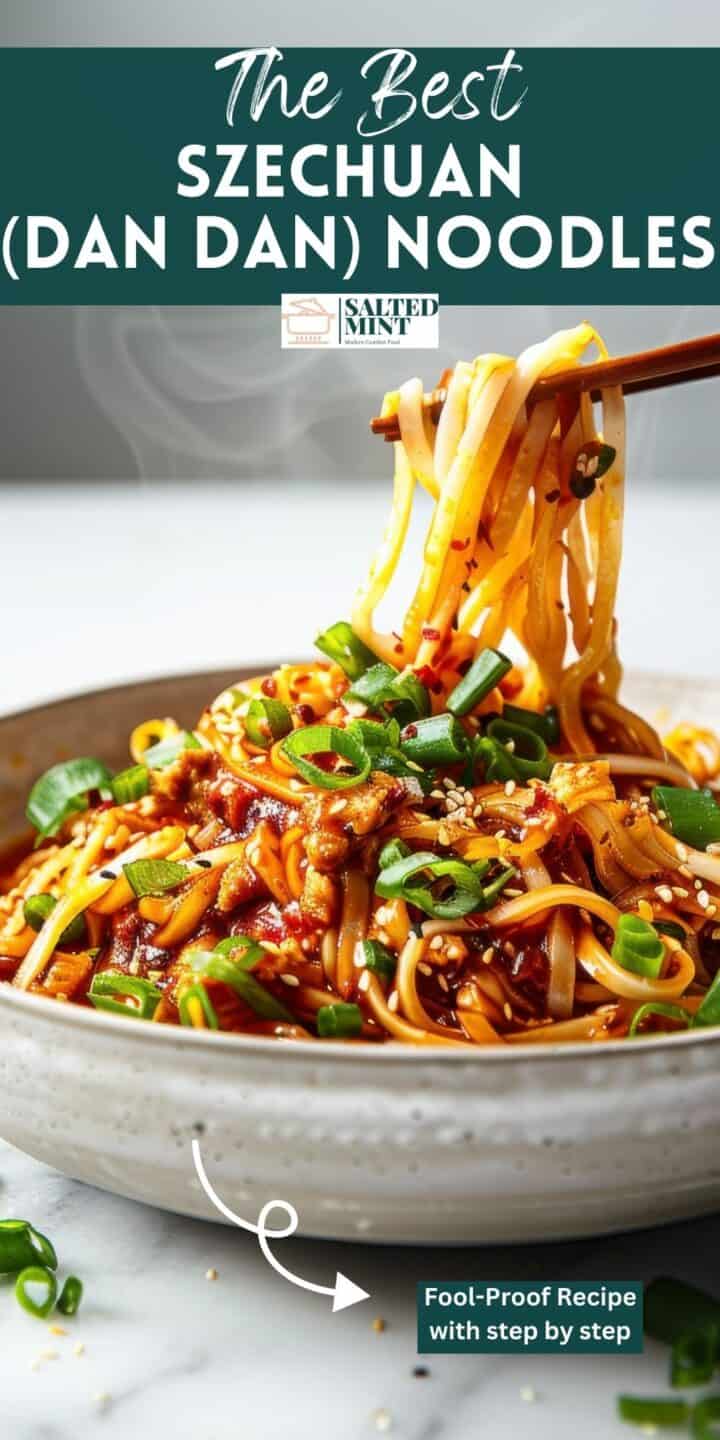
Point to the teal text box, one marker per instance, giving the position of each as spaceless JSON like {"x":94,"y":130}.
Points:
{"x":510,"y":1317}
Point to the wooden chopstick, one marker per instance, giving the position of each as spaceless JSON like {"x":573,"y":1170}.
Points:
{"x":697,"y":359}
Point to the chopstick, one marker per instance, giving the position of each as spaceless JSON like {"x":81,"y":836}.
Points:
{"x":697,"y":359}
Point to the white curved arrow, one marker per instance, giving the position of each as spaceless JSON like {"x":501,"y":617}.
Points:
{"x":344,"y":1292}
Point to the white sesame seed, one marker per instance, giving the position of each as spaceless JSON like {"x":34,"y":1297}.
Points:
{"x":364,"y":981}
{"x":681,"y":851}
{"x":336,"y":807}
{"x":477,"y":812}
{"x":383,"y":1420}
{"x":211,"y":1274}
{"x":507,"y":1011}
{"x":442,"y":982}
{"x":79,"y":1348}
{"x":528,"y":1393}
{"x":424,"y":969}
{"x":436,"y":943}
{"x":393,"y":1000}
{"x":488,"y":955}
{"x":703,"y":899}
{"x":455,"y":952}
{"x":678,"y":891}
{"x":663,"y":893}
{"x":291,"y":980}
{"x":437,"y":795}
{"x":510,"y":787}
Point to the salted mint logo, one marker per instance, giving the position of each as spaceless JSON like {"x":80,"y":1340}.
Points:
{"x":343,"y":322}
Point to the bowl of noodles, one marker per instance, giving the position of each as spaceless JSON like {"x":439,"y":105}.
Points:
{"x":432,"y":915}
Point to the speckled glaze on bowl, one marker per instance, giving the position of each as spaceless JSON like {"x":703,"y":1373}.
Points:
{"x":390,"y":1144}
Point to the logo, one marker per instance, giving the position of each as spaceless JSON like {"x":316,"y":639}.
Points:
{"x":360,"y":322}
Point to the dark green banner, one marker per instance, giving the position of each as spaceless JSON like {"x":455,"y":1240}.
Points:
{"x":511,"y":1317}
{"x":231,"y":177}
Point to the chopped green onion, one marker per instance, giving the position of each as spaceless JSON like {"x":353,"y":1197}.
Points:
{"x":214,"y":966}
{"x":694,"y":1357}
{"x":461,"y":888}
{"x":130,"y":784}
{"x":245,"y":952}
{"x":382,"y":685}
{"x":70,"y":1296}
{"x":394,"y":850}
{"x":36,"y":910}
{"x":638,"y":947}
{"x":21,"y":1245}
{"x":152,"y":877}
{"x":109,"y":983}
{"x":267,"y":721}
{"x":237,"y":697}
{"x":517,"y":753}
{"x":641,"y":1411}
{"x":199,"y":993}
{"x":485,"y":673}
{"x":705,"y":1418}
{"x":62,"y":791}
{"x":339,"y":1021}
{"x":545,"y":723}
{"x":36,"y":1275}
{"x":381,"y":740}
{"x":673,"y":1308}
{"x":327,"y":740}
{"x":708,"y":1012}
{"x":656,"y":1007}
{"x":166,"y":751}
{"x":346,"y":649}
{"x":439,"y":740}
{"x":691,"y":815}
{"x":378,"y":958}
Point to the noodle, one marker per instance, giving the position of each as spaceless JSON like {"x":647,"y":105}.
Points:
{"x":411,"y":839}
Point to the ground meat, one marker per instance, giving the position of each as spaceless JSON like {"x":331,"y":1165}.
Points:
{"x":238,"y":885}
{"x":319,"y":902}
{"x":335,"y":821}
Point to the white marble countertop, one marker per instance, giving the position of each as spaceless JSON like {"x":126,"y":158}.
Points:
{"x":247,"y":1357}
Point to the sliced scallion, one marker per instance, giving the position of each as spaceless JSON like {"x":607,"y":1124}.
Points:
{"x":267,"y":721}
{"x":245,"y":951}
{"x":346,"y":649}
{"x":381,"y":686}
{"x":220,"y":967}
{"x":545,"y":723}
{"x":638,"y":947}
{"x":21,"y":1245}
{"x":41,"y":1276}
{"x":144,"y":996}
{"x":639,"y":1410}
{"x":63,"y":790}
{"x":438,"y":740}
{"x":705,"y":1418}
{"x":693,"y":816}
{"x":339,"y":1021}
{"x":392,"y":851}
{"x":656,"y":1007}
{"x":379,"y":959}
{"x":70,"y":1296}
{"x":166,"y":751}
{"x":36,"y":910}
{"x":708,"y":1012}
{"x":327,"y":740}
{"x":672,"y":1308}
{"x":486,"y":671}
{"x":130,"y":784}
{"x":199,"y":994}
{"x":445,"y":889}
{"x":694,"y":1357}
{"x":153,"y":877}
{"x":517,"y":753}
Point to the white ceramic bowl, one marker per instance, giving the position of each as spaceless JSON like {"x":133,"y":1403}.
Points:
{"x":388,"y":1144}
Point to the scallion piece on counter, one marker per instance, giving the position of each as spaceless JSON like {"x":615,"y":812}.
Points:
{"x":378,"y":958}
{"x":143,"y":995}
{"x":705,"y":1418}
{"x":545,"y":722}
{"x":267,"y":721}
{"x":159,"y":756}
{"x":656,"y":1007}
{"x":708,"y":1012}
{"x":216,"y":966}
{"x":638,"y":947}
{"x":36,"y":1275}
{"x":70,"y":1296}
{"x":444,"y":889}
{"x":21,"y":1245}
{"x":485,"y":673}
{"x":693,"y":816}
{"x":694,"y":1357}
{"x":130,"y":784}
{"x":197,"y":993}
{"x":339,"y":1021}
{"x":327,"y":740}
{"x":641,"y":1411}
{"x":153,"y":877}
{"x":381,"y":686}
{"x":438,"y":740}
{"x":36,"y":910}
{"x":672,"y":1308}
{"x":346,"y":649}
{"x":63,"y":790}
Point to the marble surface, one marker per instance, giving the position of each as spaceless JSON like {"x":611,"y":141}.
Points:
{"x":247,"y":1356}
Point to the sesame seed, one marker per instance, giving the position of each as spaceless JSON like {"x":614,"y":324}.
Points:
{"x":295,"y":784}
{"x":455,"y":952}
{"x":477,"y":812}
{"x":383,"y":915}
{"x":57,"y":1330}
{"x":79,"y":1348}
{"x":510,"y":787}
{"x":678,"y":891}
{"x":698,"y":884}
{"x":211,"y":1274}
{"x":528,"y":1393}
{"x":442,"y":982}
{"x":681,"y":851}
{"x":711,"y":910}
{"x":703,"y":899}
{"x":393,"y":1000}
{"x":337,"y":806}
{"x":383,"y":1420}
{"x":509,"y":949}
{"x":488,"y":955}
{"x":291,"y":980}
{"x":443,"y":836}
{"x":364,"y":981}
{"x":378,"y":1324}
{"x":437,"y":795}
{"x":383,"y":937}
{"x":645,"y":910}
{"x":507,"y":1011}
{"x":436,"y":943}
{"x":48,"y":1355}
{"x":420,"y":1372}
{"x":424,"y":969}
{"x":665,"y":894}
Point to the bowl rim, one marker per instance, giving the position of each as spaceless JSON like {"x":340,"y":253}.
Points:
{"x":394,"y":1052}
